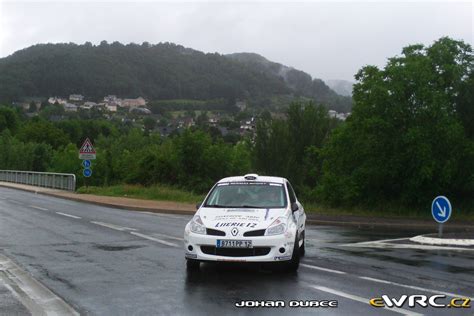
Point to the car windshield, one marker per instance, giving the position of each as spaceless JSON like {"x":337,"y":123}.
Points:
{"x":247,"y":195}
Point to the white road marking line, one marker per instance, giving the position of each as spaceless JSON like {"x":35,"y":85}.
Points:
{"x":112,"y":226}
{"x":414,"y":287}
{"x":15,"y":202}
{"x":164,"y":215}
{"x":155,"y":239}
{"x":322,"y":269}
{"x":68,"y":215}
{"x":38,"y":208}
{"x":377,"y":241}
{"x":362,"y":300}
{"x":408,"y":246}
{"x":168,"y":236}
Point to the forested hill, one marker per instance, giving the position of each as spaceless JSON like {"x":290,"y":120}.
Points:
{"x":298,"y":81}
{"x":161,"y":71}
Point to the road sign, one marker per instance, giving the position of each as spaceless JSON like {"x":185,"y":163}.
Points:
{"x":86,"y":163}
{"x":87,"y":172}
{"x":441,"y":209}
{"x":87,"y":151}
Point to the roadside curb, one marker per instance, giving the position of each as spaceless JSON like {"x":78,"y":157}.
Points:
{"x":442,"y":242}
{"x":70,"y":196}
{"x":122,"y":207}
{"x":371,"y":225}
{"x":36,"y":297}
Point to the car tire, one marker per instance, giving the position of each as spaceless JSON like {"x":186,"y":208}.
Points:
{"x":294,"y":263}
{"x":192,"y":265}
{"x":303,"y":247}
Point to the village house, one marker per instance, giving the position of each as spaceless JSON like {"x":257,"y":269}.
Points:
{"x":53,"y":100}
{"x":88,"y":105}
{"x":76,"y":97}
{"x":69,"y":107}
{"x":130,"y":103}
{"x":111,"y":107}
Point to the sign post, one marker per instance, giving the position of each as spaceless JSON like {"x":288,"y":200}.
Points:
{"x":441,"y":210}
{"x":86,"y":153}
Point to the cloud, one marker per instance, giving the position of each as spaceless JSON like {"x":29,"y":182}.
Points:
{"x":328,"y":40}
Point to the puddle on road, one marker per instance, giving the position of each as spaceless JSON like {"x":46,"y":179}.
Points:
{"x":116,"y":248}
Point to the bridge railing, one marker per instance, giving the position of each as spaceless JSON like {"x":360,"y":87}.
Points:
{"x":62,"y":181}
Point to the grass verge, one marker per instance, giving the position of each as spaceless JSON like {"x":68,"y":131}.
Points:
{"x":169,"y":193}
{"x":156,"y":192}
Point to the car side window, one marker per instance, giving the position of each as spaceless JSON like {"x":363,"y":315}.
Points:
{"x":291,"y":193}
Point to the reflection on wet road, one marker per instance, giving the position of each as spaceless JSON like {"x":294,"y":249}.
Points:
{"x":105,"y":261}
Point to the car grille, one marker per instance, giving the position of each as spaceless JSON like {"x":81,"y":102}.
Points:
{"x":235,"y":252}
{"x":214,"y":232}
{"x":253,"y":233}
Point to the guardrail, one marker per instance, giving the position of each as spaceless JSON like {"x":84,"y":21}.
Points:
{"x":62,"y":181}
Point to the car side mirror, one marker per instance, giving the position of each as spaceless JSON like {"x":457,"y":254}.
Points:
{"x":294,"y":207}
{"x":198,"y":205}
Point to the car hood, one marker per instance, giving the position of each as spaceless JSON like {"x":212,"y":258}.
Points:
{"x":244,"y":219}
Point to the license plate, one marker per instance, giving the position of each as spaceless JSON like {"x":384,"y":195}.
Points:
{"x":234,"y":243}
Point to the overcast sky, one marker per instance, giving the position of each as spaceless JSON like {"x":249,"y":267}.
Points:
{"x":327,"y":40}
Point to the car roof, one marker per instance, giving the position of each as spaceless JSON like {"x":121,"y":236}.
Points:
{"x":257,"y":179}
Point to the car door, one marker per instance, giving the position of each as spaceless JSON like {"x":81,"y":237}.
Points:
{"x":300,"y":215}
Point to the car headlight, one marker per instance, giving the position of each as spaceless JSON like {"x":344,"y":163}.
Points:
{"x":278,"y":227}
{"x":197,"y":226}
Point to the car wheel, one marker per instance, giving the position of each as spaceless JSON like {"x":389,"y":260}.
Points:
{"x":303,"y":248}
{"x":294,"y":263}
{"x":192,"y":265}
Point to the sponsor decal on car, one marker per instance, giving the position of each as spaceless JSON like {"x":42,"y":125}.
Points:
{"x":235,"y":224}
{"x":236,"y":217}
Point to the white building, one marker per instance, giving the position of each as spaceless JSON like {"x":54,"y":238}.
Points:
{"x":69,"y":107}
{"x":53,"y":100}
{"x":76,"y":97}
{"x":111,"y":107}
{"x":130,"y":103}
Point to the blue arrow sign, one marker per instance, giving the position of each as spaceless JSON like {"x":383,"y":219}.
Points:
{"x":87,"y":172}
{"x":86,"y":163}
{"x":441,"y":209}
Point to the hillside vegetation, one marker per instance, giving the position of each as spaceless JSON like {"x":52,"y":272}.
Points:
{"x":155,"y":72}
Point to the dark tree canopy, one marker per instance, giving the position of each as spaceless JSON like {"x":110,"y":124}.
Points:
{"x":156,"y":72}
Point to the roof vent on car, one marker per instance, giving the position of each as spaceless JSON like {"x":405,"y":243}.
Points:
{"x":251,"y":176}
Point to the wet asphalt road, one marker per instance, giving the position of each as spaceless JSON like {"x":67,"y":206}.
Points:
{"x":105,"y":261}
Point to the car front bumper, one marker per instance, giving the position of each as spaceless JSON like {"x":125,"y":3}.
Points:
{"x":199,"y":247}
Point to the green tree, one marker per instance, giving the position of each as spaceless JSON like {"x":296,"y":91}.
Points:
{"x":404,"y":142}
{"x":8,"y":119}
{"x":32,"y":108}
{"x":149,"y":124}
{"x":287,"y":147}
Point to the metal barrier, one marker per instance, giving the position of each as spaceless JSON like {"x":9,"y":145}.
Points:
{"x":62,"y":181}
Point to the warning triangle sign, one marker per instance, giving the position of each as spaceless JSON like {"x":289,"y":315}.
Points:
{"x":87,"y":147}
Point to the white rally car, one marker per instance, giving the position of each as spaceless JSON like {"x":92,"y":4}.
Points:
{"x":249,"y":218}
